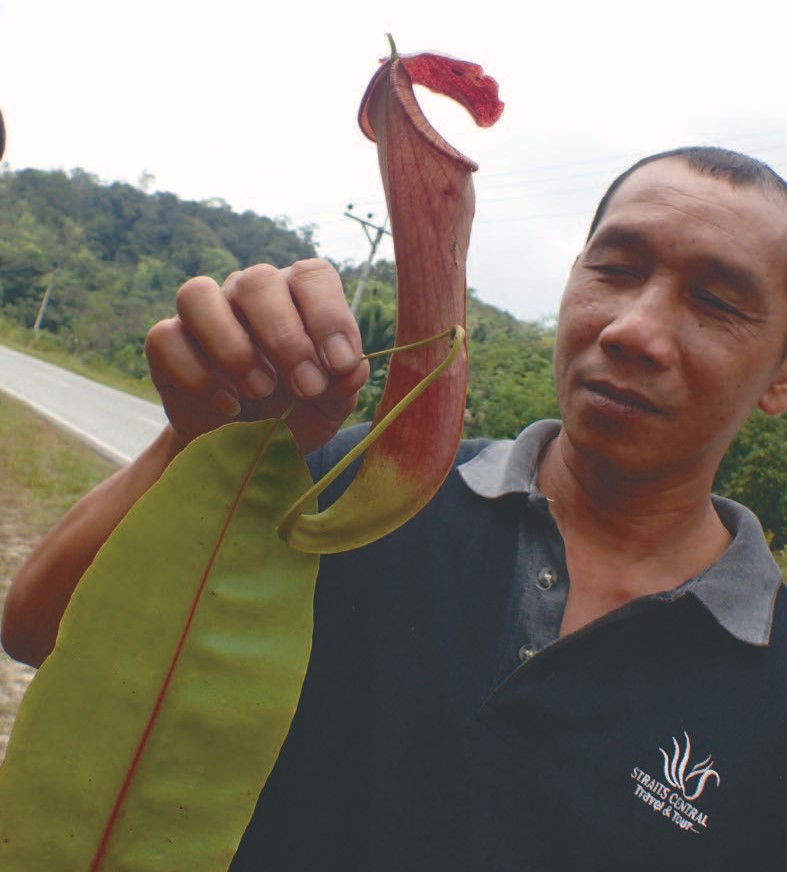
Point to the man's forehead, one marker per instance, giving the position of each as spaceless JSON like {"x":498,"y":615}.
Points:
{"x":674,"y":175}
{"x":671,"y":185}
{"x":742,"y":226}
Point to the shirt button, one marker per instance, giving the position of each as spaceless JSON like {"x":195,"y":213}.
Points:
{"x":526,"y":652}
{"x":546,"y":578}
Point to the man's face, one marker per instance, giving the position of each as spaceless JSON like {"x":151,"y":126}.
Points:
{"x":674,"y":321}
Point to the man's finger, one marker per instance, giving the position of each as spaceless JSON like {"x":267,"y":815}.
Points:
{"x":261,"y":297}
{"x":318,"y":294}
{"x":206,"y":312}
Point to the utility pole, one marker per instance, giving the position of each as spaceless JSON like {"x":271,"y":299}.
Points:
{"x":45,"y":301}
{"x":71,"y":235}
{"x":47,"y":295}
{"x":374,"y":241}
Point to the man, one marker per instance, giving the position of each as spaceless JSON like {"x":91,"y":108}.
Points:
{"x":466,"y":708}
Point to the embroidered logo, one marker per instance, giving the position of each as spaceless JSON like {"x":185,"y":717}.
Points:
{"x":675,"y":770}
{"x":683,"y":784}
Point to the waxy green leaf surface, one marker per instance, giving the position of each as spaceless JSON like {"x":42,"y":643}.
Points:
{"x":429,"y":192}
{"x":144,"y":740}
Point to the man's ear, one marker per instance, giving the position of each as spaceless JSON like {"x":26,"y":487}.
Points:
{"x":774,"y":400}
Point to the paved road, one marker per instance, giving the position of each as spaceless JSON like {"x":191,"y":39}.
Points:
{"x":116,"y":424}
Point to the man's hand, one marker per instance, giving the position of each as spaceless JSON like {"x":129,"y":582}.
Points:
{"x":247,"y":350}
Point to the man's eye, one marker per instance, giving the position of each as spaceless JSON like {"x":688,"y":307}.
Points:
{"x":715,"y":304}
{"x":720,"y":309}
{"x":615,"y":271}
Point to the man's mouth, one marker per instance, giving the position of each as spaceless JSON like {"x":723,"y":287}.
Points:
{"x":623,"y":397}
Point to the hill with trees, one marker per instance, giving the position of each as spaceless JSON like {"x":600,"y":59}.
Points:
{"x":106,"y":259}
{"x":92,"y":266}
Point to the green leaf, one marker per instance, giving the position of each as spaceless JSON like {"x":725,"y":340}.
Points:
{"x":145,"y":738}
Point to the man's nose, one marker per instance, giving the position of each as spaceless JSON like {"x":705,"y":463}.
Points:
{"x":645,"y":325}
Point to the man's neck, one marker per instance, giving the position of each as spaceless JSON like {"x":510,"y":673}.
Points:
{"x":626,"y":536}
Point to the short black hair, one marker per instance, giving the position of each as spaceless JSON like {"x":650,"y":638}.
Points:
{"x":732,"y":166}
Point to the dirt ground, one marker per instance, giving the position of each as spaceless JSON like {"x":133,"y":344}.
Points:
{"x":15,"y":545}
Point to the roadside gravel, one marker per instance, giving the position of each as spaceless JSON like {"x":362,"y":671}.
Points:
{"x":17,"y":543}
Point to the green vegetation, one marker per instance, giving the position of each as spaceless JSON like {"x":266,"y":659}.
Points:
{"x":97,"y":265}
{"x":112,"y":258}
{"x":510,"y":381}
{"x":42,"y":473}
{"x":42,"y":470}
{"x":754,"y":472}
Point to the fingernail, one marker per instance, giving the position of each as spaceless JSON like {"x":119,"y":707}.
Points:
{"x":226,"y":403}
{"x":308,"y":380}
{"x":339,"y":353}
{"x":260,"y":384}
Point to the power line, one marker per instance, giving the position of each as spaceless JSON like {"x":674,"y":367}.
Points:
{"x":529,"y":185}
{"x":525,"y":177}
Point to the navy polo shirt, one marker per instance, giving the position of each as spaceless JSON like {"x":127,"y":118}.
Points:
{"x":444,"y":725}
{"x":511,"y":467}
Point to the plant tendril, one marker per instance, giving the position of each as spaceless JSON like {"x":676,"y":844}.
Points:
{"x":455,"y":336}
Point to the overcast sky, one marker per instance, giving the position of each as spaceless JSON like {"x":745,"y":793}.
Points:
{"x":256,"y":103}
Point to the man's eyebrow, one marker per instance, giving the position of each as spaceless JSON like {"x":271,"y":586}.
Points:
{"x":611,"y":236}
{"x":738,"y":278}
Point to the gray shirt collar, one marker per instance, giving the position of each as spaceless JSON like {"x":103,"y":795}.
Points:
{"x":739,"y":590}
